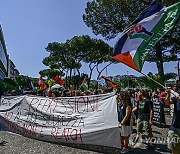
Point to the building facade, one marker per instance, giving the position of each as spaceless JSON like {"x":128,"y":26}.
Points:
{"x":11,"y":68}
{"x":3,"y":56}
{"x":7,"y":67}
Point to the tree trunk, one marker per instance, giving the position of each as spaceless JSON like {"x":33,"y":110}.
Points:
{"x":78,"y":72}
{"x":99,"y":72}
{"x":159,"y":62}
{"x":78,"y":81}
{"x":90,"y":74}
{"x":70,"y":76}
{"x":66,"y":79}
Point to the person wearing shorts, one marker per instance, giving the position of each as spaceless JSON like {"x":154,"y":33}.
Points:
{"x":124,"y":116}
{"x":145,"y":117}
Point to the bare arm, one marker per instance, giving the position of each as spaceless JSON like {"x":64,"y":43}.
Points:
{"x":134,"y":109}
{"x":151,"y":117}
{"x":128,"y":113}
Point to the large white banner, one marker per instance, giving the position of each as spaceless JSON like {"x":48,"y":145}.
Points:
{"x":84,"y":119}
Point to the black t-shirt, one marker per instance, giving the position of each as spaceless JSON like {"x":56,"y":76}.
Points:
{"x":144,"y":108}
{"x":175,"y":120}
{"x":122,"y":112}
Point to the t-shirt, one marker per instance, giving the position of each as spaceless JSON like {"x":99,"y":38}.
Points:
{"x":144,"y":108}
{"x":122,"y":112}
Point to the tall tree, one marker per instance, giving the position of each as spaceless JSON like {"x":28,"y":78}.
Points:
{"x":50,"y":73}
{"x":71,"y":55}
{"x":61,"y":57}
{"x":110,"y":17}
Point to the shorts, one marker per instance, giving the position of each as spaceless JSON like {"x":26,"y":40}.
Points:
{"x":143,"y":123}
{"x":125,"y":131}
{"x":174,"y":140}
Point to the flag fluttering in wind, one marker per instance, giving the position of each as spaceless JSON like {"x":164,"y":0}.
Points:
{"x":109,"y":82}
{"x":84,"y":84}
{"x":71,"y":88}
{"x":41,"y":82}
{"x":58,"y":80}
{"x":137,"y":40}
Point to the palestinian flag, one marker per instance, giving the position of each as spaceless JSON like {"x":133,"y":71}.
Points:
{"x":109,"y":82}
{"x":137,"y":40}
{"x":84,"y":86}
{"x":71,"y":88}
{"x":58,"y":80}
{"x":41,"y":82}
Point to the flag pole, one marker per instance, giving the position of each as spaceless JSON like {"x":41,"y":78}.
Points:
{"x":171,"y":91}
{"x":153,"y":80}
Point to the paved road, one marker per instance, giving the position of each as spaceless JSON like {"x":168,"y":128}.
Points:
{"x":15,"y":144}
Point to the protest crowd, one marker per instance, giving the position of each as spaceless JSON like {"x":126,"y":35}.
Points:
{"x":138,"y":106}
{"x":135,"y":108}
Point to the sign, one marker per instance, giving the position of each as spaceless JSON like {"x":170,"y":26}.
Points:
{"x":159,"y":117}
{"x":83,"y":119}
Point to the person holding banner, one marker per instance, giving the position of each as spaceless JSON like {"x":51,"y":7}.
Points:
{"x":124,"y":116}
{"x":173,"y":97}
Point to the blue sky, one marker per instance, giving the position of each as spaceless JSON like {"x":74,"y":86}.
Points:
{"x":29,"y":25}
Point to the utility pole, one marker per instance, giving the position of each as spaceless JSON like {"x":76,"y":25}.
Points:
{"x":128,"y":79}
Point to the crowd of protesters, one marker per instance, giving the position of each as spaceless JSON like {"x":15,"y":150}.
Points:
{"x":134,"y":107}
{"x":58,"y":92}
{"x":138,"y":106}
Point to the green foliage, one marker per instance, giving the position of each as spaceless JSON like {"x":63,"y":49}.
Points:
{"x":35,"y":82}
{"x":93,"y":86}
{"x":49,"y":73}
{"x":143,"y":80}
{"x":70,"y":55}
{"x":10,"y":82}
{"x":22,"y":81}
{"x":61,"y":57}
{"x":126,"y":82}
{"x":110,"y":17}
{"x":7,"y":85}
{"x":3,"y":87}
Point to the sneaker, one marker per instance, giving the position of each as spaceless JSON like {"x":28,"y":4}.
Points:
{"x":124,"y":150}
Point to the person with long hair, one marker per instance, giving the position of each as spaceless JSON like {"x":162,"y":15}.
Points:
{"x":124,"y":116}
